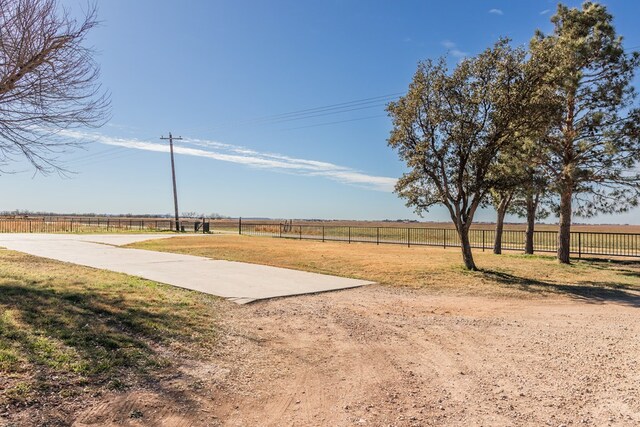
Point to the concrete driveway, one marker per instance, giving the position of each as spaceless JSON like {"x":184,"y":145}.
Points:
{"x":239,"y":282}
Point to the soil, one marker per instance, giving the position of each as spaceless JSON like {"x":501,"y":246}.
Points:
{"x":382,"y":356}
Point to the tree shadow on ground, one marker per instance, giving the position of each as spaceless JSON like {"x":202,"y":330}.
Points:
{"x":587,"y":291}
{"x":62,"y":342}
{"x":611,"y":261}
{"x":630,"y":268}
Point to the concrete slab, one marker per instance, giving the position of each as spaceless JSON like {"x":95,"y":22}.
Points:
{"x":237,"y":281}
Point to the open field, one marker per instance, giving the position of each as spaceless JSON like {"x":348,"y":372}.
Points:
{"x":525,"y":342}
{"x":231,"y":224}
{"x":89,"y":225}
{"x":417,"y":267}
{"x":581,"y":242}
{"x":610,"y":243}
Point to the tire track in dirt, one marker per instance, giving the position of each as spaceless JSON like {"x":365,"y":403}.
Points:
{"x":388,"y":357}
{"x":135,"y":408}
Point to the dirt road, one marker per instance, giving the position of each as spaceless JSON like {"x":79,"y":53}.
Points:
{"x":380,"y":356}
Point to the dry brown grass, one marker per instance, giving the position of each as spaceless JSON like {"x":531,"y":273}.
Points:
{"x":421,"y":267}
{"x":231,"y":224}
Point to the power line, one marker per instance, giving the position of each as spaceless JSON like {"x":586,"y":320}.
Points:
{"x":113,"y":156}
{"x":311,"y":116}
{"x":342,"y":105}
{"x":297,"y":118}
{"x":307,"y":113}
{"x":91,"y":156}
{"x":336,"y":122}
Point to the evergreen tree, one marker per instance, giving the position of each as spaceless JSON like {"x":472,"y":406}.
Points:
{"x":592,"y":149}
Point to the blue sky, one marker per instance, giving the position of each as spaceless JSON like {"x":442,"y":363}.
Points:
{"x":226,"y":74}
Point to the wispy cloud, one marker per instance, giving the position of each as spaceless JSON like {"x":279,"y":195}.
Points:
{"x":544,"y":12}
{"x":448,"y":44}
{"x":453,"y":49}
{"x":251,"y":158}
{"x":496,"y":11}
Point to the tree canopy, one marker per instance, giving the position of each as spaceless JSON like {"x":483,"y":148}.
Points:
{"x":451,"y":126}
{"x":592,"y":147}
{"x":555,"y":125}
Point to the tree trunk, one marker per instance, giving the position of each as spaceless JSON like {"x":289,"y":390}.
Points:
{"x":567,"y":183}
{"x":502,"y":210}
{"x":467,"y":255}
{"x":532,"y":207}
{"x":564,"y":234}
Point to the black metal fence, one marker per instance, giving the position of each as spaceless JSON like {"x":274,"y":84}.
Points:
{"x":582,"y":242}
{"x":96,"y":225}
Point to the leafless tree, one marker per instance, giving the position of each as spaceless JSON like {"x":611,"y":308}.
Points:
{"x":48,"y":81}
{"x":191,"y":215}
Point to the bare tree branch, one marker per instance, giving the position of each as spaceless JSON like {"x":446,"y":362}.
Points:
{"x":48,"y":81}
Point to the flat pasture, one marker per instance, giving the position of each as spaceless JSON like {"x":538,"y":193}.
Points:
{"x":582,"y":242}
{"x":603,"y":228}
{"x":88,"y":225}
{"x":417,"y":267}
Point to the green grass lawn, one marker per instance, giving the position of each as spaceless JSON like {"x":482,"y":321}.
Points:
{"x":67,"y":330}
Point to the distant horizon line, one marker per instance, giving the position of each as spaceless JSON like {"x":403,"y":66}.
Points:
{"x":27,"y":213}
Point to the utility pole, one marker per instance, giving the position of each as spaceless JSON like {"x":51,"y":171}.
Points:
{"x":173,"y":175}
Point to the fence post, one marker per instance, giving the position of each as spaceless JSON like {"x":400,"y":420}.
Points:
{"x":579,"y":244}
{"x":323,"y":233}
{"x":349,"y":234}
{"x":240,"y":225}
{"x":483,"y":240}
{"x":377,"y":235}
{"x":280,"y":230}
{"x":444,"y":238}
{"x":408,"y":237}
{"x":300,"y":231}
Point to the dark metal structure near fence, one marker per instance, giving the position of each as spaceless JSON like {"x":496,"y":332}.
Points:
{"x":582,"y":242}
